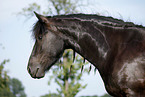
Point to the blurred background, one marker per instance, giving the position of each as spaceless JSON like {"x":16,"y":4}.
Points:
{"x":16,"y":43}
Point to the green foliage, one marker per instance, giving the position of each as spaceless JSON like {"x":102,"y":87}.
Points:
{"x":56,"y":95}
{"x":68,"y":75}
{"x":27,"y":12}
{"x":105,"y":95}
{"x":4,"y":79}
{"x":56,"y":7}
{"x":9,"y":87}
{"x":52,"y":95}
{"x":16,"y":87}
{"x":64,"y":6}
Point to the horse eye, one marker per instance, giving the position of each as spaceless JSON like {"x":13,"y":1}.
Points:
{"x":40,"y":37}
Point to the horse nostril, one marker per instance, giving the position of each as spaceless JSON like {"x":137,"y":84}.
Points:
{"x":36,"y":71}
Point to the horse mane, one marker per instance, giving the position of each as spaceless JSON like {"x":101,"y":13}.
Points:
{"x":40,"y":28}
{"x":108,"y":21}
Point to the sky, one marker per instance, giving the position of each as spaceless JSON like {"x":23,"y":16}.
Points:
{"x":15,"y":38}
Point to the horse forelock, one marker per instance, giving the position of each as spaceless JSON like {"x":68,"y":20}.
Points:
{"x":38,"y":29}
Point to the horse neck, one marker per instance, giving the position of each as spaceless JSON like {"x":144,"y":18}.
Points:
{"x":86,"y":39}
{"x":98,"y":42}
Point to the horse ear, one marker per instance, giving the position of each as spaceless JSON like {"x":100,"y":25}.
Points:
{"x":41,"y":18}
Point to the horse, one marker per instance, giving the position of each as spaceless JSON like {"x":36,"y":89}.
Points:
{"x":116,"y":48}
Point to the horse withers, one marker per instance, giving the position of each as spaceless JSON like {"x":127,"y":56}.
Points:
{"x":116,"y":48}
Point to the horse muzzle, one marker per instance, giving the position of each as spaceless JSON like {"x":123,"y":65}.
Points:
{"x":36,"y":72}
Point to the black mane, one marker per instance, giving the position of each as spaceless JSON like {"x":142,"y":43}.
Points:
{"x":39,"y":28}
{"x":104,"y":19}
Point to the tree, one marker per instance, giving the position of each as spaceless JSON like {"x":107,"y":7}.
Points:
{"x":9,"y":87}
{"x":4,"y":79}
{"x":16,"y":87}
{"x":65,"y":6}
{"x":68,"y":79}
{"x":54,"y":7}
{"x":52,"y":95}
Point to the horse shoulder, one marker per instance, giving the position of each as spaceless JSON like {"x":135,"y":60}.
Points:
{"x":131,"y":77}
{"x":128,"y":73}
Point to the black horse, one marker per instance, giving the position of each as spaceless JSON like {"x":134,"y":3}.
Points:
{"x":116,"y":48}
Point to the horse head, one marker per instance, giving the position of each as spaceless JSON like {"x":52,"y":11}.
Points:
{"x":48,"y":48}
